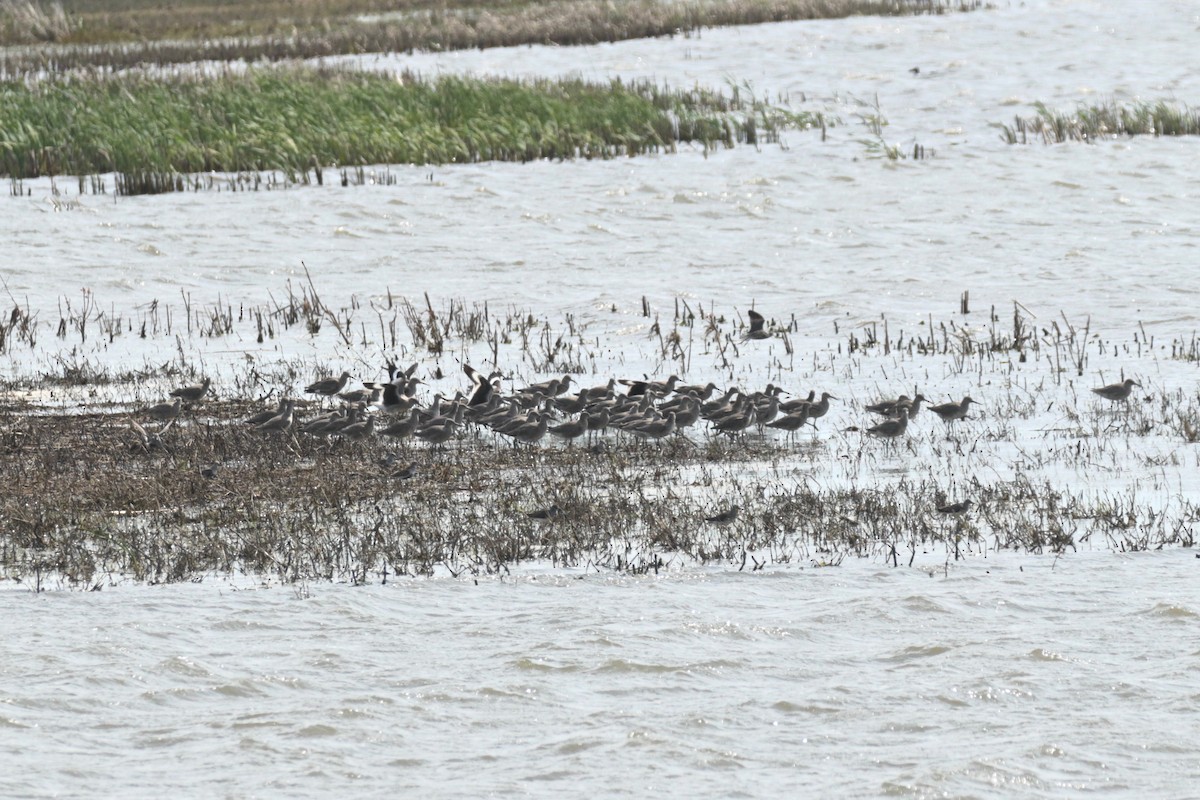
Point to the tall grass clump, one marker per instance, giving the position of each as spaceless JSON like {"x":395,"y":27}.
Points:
{"x":29,"y":22}
{"x":1088,"y":123}
{"x":151,"y":130}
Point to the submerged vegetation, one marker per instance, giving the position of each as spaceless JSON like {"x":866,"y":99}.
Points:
{"x":90,"y":500}
{"x":1089,"y":123}
{"x":119,"y":34}
{"x":150,"y":131}
{"x":99,"y":489}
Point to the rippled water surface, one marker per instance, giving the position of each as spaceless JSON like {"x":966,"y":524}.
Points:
{"x":1011,"y":676}
{"x":1006,"y":675}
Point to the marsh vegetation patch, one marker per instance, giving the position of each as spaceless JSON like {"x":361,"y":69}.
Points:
{"x":100,"y":488}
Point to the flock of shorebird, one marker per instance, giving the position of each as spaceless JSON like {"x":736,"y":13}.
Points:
{"x":558,"y":408}
{"x":643,"y":409}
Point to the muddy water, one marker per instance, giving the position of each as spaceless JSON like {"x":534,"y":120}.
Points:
{"x":1017,"y":675}
{"x":1011,"y":675}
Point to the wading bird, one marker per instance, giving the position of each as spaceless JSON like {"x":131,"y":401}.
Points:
{"x":328,"y":386}
{"x":1117,"y":392}
{"x":190,"y":394}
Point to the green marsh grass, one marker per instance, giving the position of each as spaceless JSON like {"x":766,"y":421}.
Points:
{"x":151,"y":131}
{"x":1089,"y":123}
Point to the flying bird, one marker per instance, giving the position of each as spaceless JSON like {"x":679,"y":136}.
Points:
{"x":757,"y":331}
{"x":481,"y":386}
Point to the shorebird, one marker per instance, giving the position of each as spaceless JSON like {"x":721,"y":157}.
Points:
{"x":481,"y":413}
{"x":450,"y":412}
{"x":795,"y":405}
{"x":511,"y":421}
{"x":146,"y":441}
{"x":630,"y":413}
{"x":791,"y":422}
{"x":766,"y":406}
{"x":597,"y":422}
{"x":570,"y":404}
{"x":891,"y":428}
{"x":354,"y":415}
{"x":432,"y":411}
{"x":952,"y":411}
{"x":727,"y":517}
{"x":551,"y":388}
{"x":549,"y":512}
{"x":599,"y":392}
{"x":821,"y":407}
{"x":960,"y":507}
{"x":328,"y":386}
{"x":888,"y":408}
{"x":399,"y":394}
{"x":266,"y":414}
{"x":395,"y":372}
{"x":404,"y":473}
{"x":325,"y":424}
{"x":701,"y":393}
{"x":368,"y":394}
{"x":281,"y":421}
{"x":502,"y":414}
{"x":481,"y":386}
{"x":436,"y":434}
{"x":757,"y":331}
{"x":914,"y":405}
{"x":390,"y":466}
{"x":655,"y":428}
{"x":402,"y":428}
{"x":1117,"y":391}
{"x":165,"y":412}
{"x":652,"y":388}
{"x":531,"y":432}
{"x":680,"y":400}
{"x":687,"y":412}
{"x":720,"y":406}
{"x":570,"y":431}
{"x":190,"y":394}
{"x":357,"y":431}
{"x":736,"y":421}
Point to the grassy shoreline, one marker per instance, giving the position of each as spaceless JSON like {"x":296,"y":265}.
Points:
{"x":125,"y":33}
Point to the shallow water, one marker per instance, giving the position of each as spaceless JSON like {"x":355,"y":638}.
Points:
{"x":1011,"y":675}
{"x":1015,"y":675}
